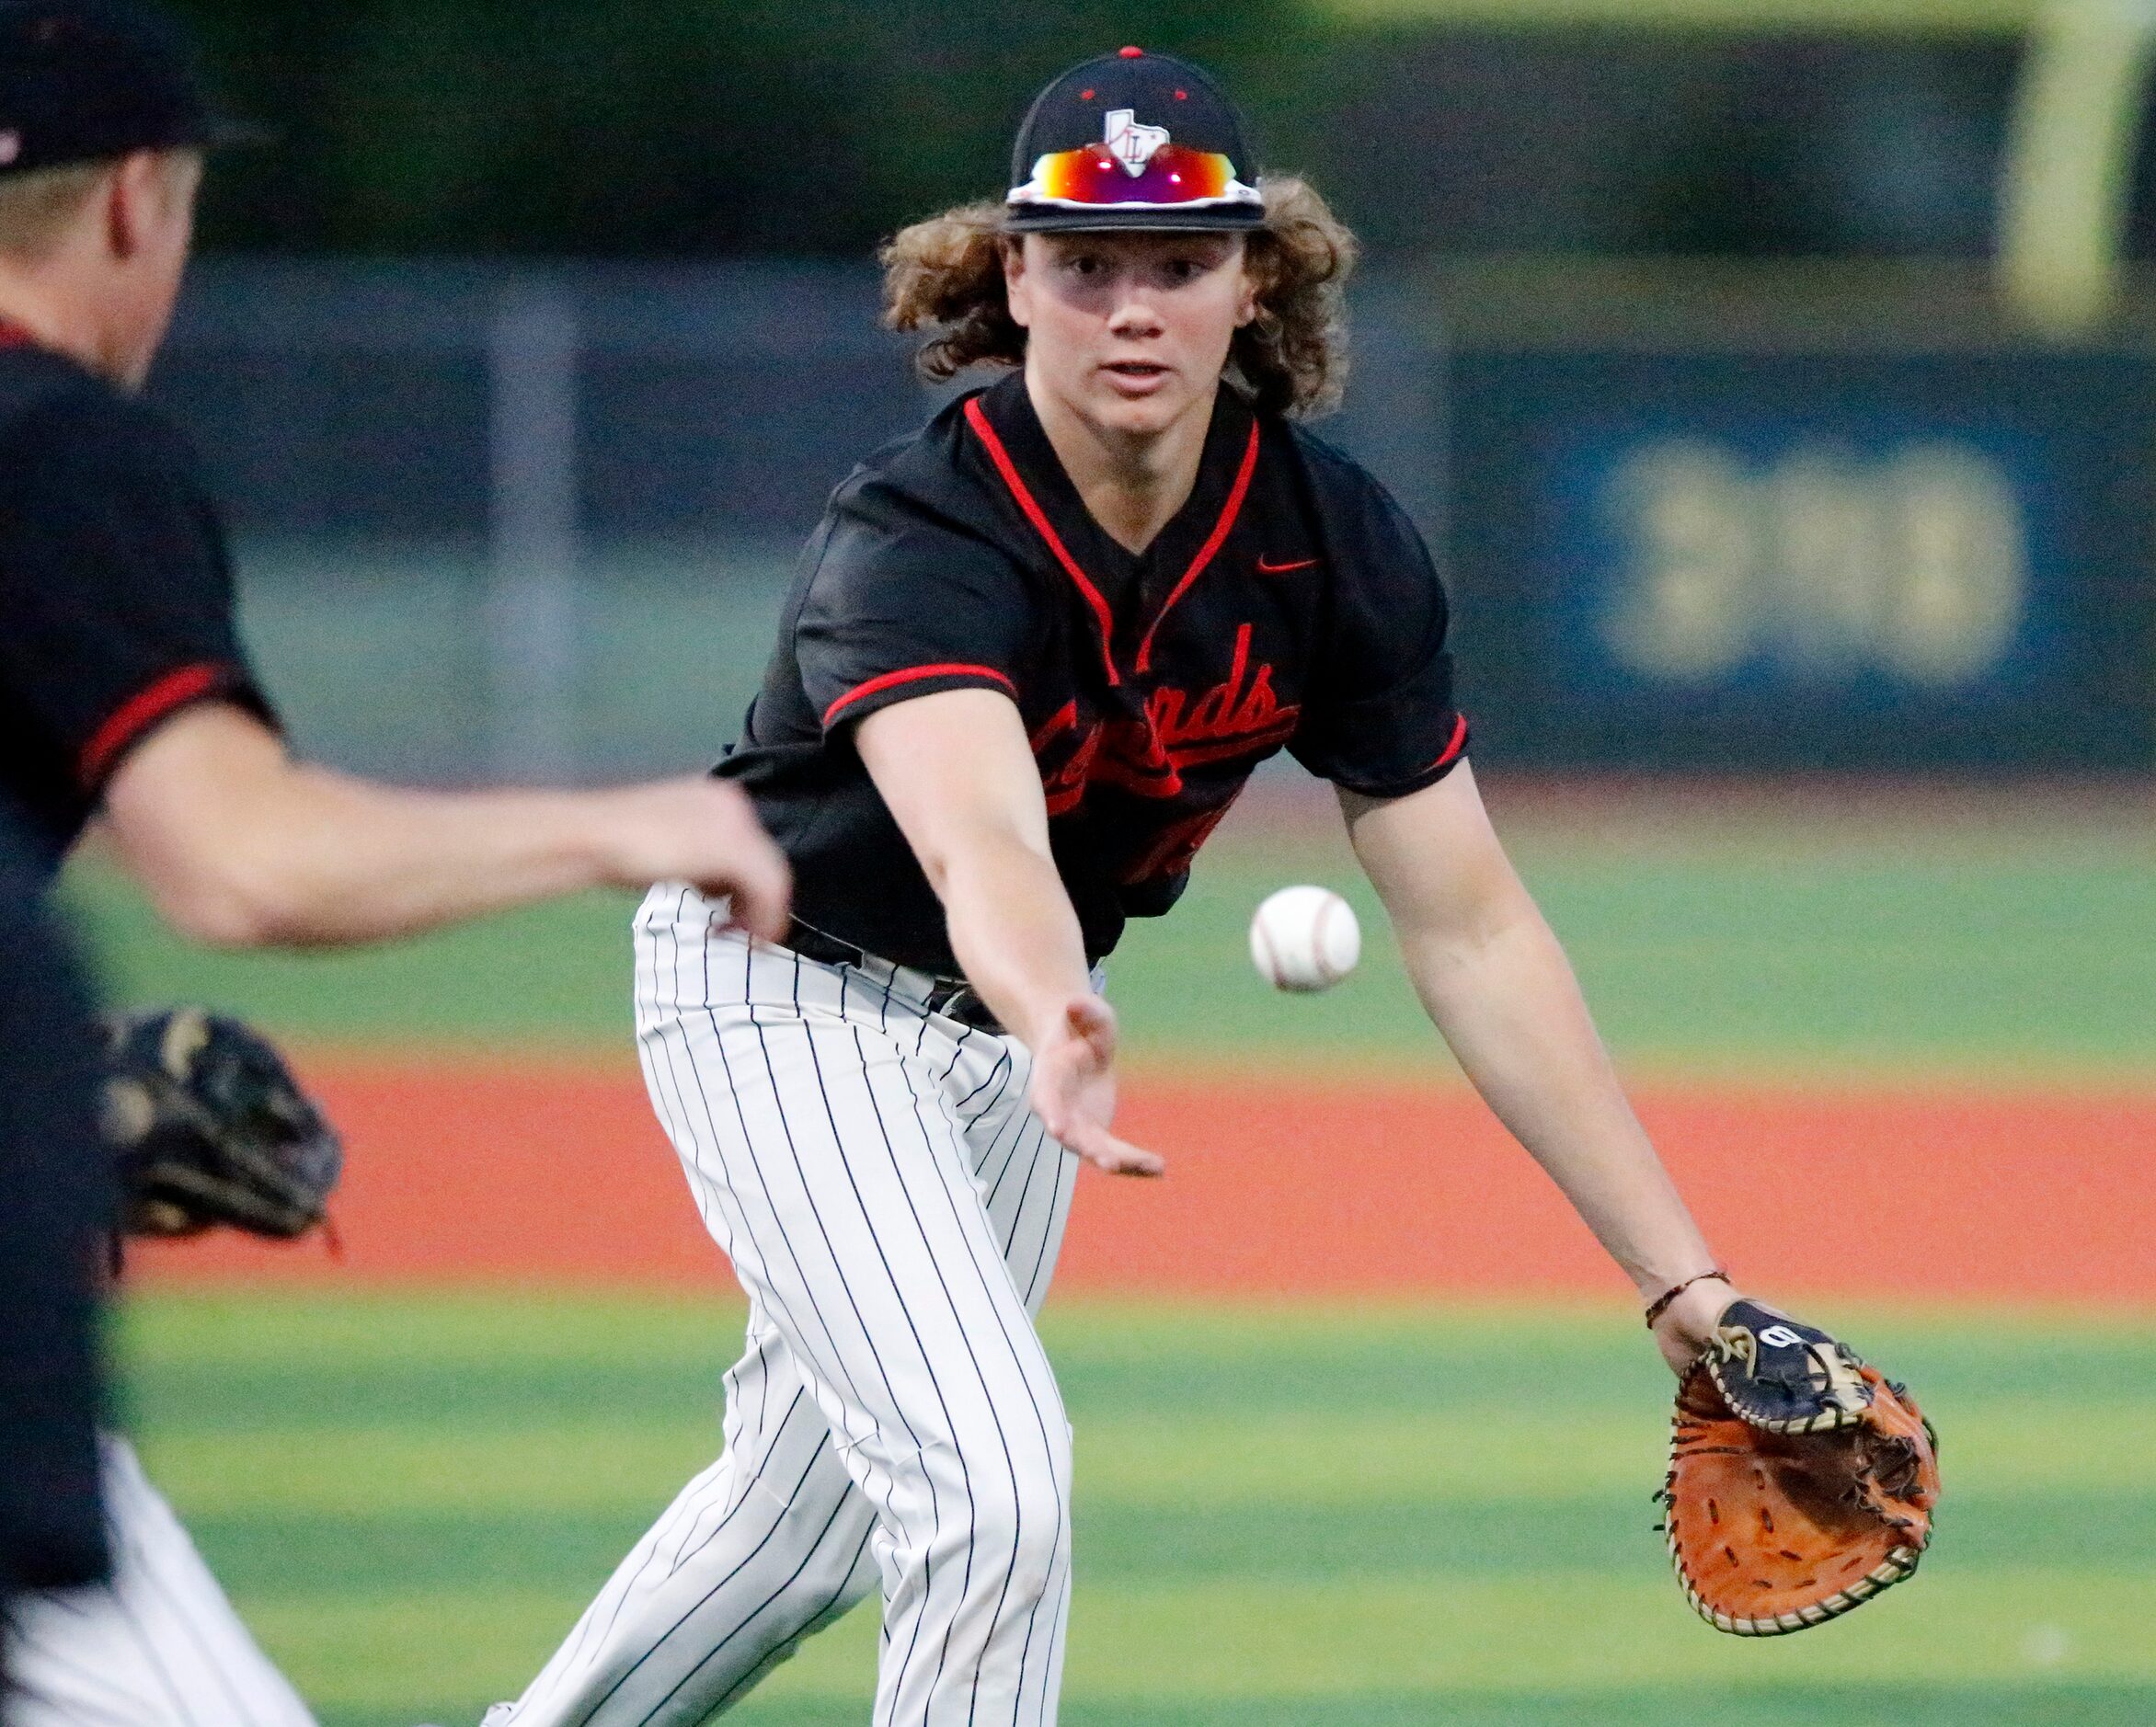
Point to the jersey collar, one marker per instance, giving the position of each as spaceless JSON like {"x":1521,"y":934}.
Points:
{"x":1128,"y":593}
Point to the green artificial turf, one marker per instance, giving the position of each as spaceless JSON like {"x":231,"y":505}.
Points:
{"x":1345,"y":1516}
{"x":2031,"y":953}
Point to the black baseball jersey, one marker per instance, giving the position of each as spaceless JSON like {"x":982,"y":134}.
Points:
{"x":56,"y":1205}
{"x":115,"y":588}
{"x":1289,"y":604}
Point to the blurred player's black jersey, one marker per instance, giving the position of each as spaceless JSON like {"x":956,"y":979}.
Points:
{"x":1288,"y":604}
{"x":56,"y":1203}
{"x":115,"y":588}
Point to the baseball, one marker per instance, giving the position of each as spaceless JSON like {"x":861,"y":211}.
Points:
{"x":1305,"y":939}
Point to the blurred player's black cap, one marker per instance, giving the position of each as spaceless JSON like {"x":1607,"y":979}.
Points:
{"x":93,"y":80}
{"x":1132,"y":139}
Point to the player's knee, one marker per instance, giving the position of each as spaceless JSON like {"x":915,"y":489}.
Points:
{"x":1041,"y":1554}
{"x":1021,"y":1538}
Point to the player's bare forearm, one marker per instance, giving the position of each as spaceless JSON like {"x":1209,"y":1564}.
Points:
{"x":957,"y":775}
{"x":338,"y":860}
{"x":1509,"y":1006}
{"x":239,"y":845}
{"x":1011,"y":927}
{"x":1498,"y":986}
{"x":1013,"y":930}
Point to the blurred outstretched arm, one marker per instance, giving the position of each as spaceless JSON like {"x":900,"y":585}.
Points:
{"x":241,"y":846}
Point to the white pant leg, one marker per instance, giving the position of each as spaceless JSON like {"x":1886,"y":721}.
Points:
{"x":1026,"y":1180}
{"x":158,"y":1646}
{"x":842,"y":1148}
{"x":760,"y":1550}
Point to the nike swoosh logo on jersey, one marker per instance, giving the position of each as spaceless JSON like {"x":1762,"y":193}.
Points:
{"x":1265,"y":568}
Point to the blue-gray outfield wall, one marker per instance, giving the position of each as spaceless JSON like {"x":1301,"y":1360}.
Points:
{"x":723,"y":402}
{"x":1763,"y":562}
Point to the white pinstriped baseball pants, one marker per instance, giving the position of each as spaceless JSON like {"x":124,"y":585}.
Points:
{"x":158,"y":1646}
{"x":893,"y":1209}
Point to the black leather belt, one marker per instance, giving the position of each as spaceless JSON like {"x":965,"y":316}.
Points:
{"x":954,"y":998}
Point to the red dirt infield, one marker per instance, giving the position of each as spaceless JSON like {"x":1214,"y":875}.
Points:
{"x":1339,"y":1185}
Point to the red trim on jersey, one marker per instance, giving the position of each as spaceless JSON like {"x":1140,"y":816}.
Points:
{"x":911,"y":674}
{"x":1065,"y":719}
{"x":15,"y":335}
{"x":1197,"y":755}
{"x":1454,"y":745}
{"x":978,"y":419}
{"x":1213,"y":543}
{"x":140,"y":712}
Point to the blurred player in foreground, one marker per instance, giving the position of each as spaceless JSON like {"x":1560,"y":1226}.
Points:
{"x":1032,"y":655}
{"x":54,"y":1210}
{"x":123,"y":687}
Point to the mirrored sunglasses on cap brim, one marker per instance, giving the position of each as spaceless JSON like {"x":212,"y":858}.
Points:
{"x":1091,"y":179}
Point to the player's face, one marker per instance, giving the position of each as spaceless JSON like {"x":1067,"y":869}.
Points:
{"x":153,"y":218}
{"x":1129,"y":331}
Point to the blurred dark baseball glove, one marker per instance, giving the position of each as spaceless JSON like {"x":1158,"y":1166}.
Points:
{"x":209,"y":1128}
{"x":1801,"y":1482}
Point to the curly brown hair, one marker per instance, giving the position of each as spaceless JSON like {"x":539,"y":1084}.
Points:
{"x":946,"y":276}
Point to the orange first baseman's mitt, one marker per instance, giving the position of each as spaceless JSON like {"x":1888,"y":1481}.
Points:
{"x":1801,"y":1482}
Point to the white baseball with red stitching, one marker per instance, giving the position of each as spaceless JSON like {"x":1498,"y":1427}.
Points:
{"x":1305,"y":939}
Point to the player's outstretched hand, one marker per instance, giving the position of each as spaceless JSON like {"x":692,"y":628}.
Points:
{"x":1073,"y":1089}
{"x":1687,"y":1325}
{"x":705,"y":832}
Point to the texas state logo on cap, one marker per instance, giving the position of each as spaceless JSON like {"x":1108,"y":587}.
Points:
{"x":1132,"y":140}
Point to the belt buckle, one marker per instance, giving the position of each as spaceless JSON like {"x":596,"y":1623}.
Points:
{"x":959,"y":1000}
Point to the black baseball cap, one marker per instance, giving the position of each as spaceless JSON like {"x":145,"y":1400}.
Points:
{"x":1132,"y":139}
{"x":94,"y":80}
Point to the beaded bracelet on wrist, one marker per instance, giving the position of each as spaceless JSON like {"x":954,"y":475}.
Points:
{"x":1660,"y":1305}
